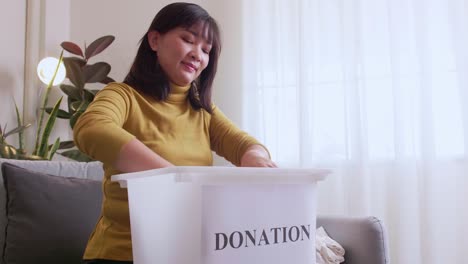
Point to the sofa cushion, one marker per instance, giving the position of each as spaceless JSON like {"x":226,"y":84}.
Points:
{"x":49,"y":218}
{"x":87,"y":170}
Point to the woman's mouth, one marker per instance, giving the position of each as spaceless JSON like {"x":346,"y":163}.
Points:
{"x":189,"y":66}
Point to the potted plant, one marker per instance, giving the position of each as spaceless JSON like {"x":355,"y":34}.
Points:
{"x":81,"y":72}
{"x":42,"y":150}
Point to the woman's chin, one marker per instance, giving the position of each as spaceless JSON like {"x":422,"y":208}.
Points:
{"x":181,"y":84}
{"x":183,"y":81}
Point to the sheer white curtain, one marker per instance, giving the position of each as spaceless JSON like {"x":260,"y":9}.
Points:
{"x":377,"y":90}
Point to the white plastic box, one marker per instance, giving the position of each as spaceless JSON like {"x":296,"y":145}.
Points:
{"x":222,"y":215}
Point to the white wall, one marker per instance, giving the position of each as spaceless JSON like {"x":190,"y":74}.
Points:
{"x":31,"y":30}
{"x":12,"y":26}
{"x":228,"y":83}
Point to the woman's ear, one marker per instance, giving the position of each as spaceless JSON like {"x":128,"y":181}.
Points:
{"x":153,"y":37}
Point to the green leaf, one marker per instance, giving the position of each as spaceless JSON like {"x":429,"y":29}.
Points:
{"x":79,"y":61}
{"x":70,"y":101}
{"x":79,"y":105}
{"x":61,"y":113}
{"x":44,"y":104}
{"x":96,"y":72}
{"x":107,"y":80}
{"x":54,"y":148}
{"x":16,"y":130}
{"x":71,"y":91}
{"x":74,"y":66}
{"x":76,"y":155}
{"x":66,"y":144}
{"x":98,"y":46}
{"x":20,"y":123}
{"x":79,"y":111}
{"x":88,"y":95}
{"x":48,"y":129}
{"x":72,"y":48}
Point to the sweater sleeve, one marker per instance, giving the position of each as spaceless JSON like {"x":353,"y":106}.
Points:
{"x":99,"y":131}
{"x":227,"y":140}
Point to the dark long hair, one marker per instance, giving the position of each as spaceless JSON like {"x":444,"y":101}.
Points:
{"x":146,"y":74}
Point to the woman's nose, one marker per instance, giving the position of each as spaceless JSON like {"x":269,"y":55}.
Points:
{"x":195,"y":54}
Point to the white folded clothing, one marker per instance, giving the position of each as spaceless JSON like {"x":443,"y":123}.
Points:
{"x":328,"y":251}
{"x":331,"y":244}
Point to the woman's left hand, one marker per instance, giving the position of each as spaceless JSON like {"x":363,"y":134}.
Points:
{"x":257,"y":156}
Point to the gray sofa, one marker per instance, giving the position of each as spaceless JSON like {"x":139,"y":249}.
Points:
{"x":47,"y":219}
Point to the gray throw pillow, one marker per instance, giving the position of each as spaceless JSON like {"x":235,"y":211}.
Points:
{"x":49,"y":218}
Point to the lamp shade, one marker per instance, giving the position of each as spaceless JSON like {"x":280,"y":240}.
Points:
{"x":46,"y":68}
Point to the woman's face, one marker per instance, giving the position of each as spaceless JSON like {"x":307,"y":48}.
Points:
{"x":183,"y":53}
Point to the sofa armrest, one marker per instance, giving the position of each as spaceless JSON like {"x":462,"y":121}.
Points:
{"x":363,"y":238}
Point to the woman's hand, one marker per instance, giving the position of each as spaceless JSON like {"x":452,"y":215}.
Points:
{"x":256,"y":156}
{"x":135,"y":156}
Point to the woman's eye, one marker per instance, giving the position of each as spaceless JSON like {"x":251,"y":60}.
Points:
{"x":187,"y":40}
{"x":206,"y":51}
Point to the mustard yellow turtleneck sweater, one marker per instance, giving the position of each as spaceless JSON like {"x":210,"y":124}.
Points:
{"x":171,"y":128}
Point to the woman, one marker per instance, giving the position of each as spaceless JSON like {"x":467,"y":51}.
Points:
{"x":160,"y":116}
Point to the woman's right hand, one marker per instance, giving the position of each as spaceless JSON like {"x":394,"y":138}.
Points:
{"x":135,"y":156}
{"x":257,"y":156}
